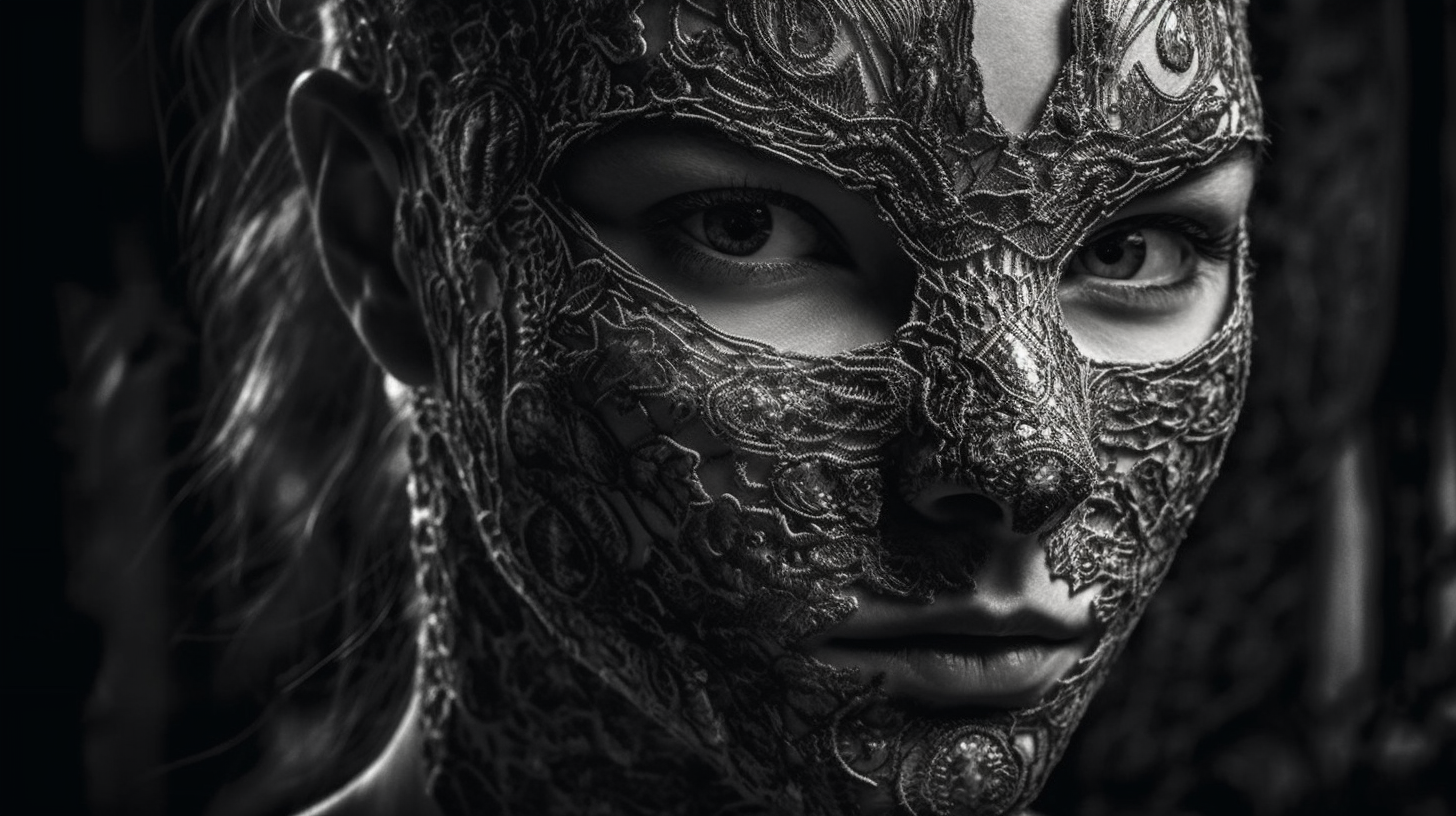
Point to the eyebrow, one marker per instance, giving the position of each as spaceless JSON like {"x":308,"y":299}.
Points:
{"x":716,"y":137}
{"x":696,"y":142}
{"x":702,"y":138}
{"x":1247,"y":150}
{"x":1197,"y":189}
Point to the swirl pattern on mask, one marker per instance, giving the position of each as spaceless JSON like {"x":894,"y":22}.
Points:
{"x":626,"y":519}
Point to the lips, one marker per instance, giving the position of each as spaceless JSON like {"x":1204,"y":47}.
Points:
{"x":970,"y":652}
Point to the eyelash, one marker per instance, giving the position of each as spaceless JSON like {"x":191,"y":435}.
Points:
{"x":1214,"y":246}
{"x":665,"y":216}
{"x":664,"y":224}
{"x":664,"y":221}
{"x":712,"y":269}
{"x":1211,"y":245}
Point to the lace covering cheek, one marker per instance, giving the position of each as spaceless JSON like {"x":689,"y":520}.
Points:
{"x":627,"y":522}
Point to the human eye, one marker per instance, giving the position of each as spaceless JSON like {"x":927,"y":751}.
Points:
{"x":760,"y":248}
{"x":746,"y":236}
{"x":1156,"y":280}
{"x":1155,"y":265}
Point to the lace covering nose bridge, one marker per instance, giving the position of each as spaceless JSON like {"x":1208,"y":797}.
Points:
{"x":1003,"y":405}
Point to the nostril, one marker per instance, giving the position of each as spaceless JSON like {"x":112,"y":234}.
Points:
{"x":963,"y":508}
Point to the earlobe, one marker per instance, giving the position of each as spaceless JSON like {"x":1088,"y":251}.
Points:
{"x":342,"y":144}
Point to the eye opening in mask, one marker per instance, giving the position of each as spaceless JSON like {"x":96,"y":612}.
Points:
{"x":1156,"y":280}
{"x":763,"y":248}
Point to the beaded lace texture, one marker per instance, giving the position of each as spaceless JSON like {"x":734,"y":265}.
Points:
{"x":626,"y":519}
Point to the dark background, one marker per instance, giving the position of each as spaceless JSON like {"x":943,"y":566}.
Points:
{"x":1299,"y":660}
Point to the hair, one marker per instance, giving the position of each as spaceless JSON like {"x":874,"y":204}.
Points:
{"x":300,"y":459}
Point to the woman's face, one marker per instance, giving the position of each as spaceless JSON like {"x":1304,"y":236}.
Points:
{"x":832,"y":380}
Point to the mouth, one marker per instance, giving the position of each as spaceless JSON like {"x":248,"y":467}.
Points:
{"x":946,"y":672}
{"x":972,"y":657}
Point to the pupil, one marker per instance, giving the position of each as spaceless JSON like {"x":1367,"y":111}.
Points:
{"x":737,"y":229}
{"x":1118,"y":256}
{"x":1109,"y":251}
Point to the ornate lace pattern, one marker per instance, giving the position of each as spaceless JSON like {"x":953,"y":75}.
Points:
{"x":626,"y":519}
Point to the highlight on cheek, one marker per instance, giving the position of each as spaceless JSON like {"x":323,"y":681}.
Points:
{"x":1157,"y":301}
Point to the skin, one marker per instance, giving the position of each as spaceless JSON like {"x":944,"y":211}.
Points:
{"x":342,"y":146}
{"x":861,"y":294}
{"x":619,"y":183}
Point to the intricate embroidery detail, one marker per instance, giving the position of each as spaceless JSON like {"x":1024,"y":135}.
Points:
{"x":607,"y":631}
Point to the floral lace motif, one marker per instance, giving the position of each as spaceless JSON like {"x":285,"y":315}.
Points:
{"x":604,"y":633}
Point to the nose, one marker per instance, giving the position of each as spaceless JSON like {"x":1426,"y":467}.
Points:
{"x":1029,"y":494}
{"x":1002,"y":411}
{"x":951,"y":505}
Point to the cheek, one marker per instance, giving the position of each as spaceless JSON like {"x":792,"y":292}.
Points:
{"x":1164,"y":327}
{"x":1164,"y":429}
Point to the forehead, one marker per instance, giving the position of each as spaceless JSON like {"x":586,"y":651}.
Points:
{"x":1017,"y":45}
{"x":1117,"y":57}
{"x":1009,"y":119}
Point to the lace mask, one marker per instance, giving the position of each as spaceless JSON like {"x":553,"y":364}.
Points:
{"x":627,"y":521}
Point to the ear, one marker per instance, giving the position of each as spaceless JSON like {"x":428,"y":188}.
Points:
{"x":342,"y":143}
